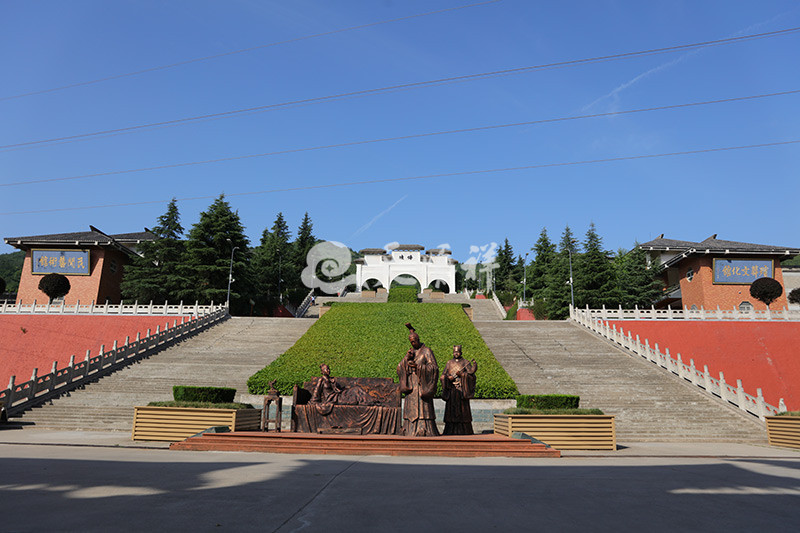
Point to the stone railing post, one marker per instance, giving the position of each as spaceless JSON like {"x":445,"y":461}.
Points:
{"x":706,"y":378}
{"x":53,"y":373}
{"x":760,"y":407}
{"x":723,"y":392}
{"x":32,"y":389}
{"x":740,"y":396}
{"x":11,"y":386}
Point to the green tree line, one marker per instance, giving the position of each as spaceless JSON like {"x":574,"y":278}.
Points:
{"x":599,"y":277}
{"x":194,"y":266}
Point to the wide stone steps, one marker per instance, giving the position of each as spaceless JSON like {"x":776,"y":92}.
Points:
{"x":226,"y":355}
{"x":650,"y":404}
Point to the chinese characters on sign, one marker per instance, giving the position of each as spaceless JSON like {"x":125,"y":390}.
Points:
{"x":75,"y":262}
{"x":741,"y":271}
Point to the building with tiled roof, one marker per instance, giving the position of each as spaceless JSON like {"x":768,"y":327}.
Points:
{"x":714,"y":272}
{"x":93,"y":261}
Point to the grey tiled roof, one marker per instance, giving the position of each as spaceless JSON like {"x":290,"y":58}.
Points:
{"x":93,"y":237}
{"x":714,"y":244}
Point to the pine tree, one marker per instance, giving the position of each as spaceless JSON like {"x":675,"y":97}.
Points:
{"x":505,"y":271}
{"x":273,"y":262}
{"x":153,"y":276}
{"x":218,"y":236}
{"x":637,"y":283}
{"x":557,"y":291}
{"x":303,"y":243}
{"x":537,"y":271}
{"x":595,"y":277}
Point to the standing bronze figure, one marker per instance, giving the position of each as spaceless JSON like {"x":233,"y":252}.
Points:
{"x":418,"y":373}
{"x":458,"y":387}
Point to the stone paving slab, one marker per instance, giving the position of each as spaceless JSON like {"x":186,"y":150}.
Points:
{"x":88,"y":489}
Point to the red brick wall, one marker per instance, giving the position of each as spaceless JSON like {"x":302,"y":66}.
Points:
{"x":100,"y":285}
{"x":701,"y":291}
{"x":761,"y":354}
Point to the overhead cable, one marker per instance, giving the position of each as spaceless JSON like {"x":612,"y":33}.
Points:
{"x":418,"y":84}
{"x":420,"y":177}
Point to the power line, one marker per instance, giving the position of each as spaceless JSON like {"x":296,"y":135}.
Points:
{"x":422,"y":177}
{"x":397,"y":138}
{"x":239,"y":51}
{"x":364,"y":92}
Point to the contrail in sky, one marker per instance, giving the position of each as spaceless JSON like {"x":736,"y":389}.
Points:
{"x":366,"y":226}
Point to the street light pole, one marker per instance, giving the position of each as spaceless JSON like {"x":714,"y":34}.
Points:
{"x":571,"y":290}
{"x":230,"y":277}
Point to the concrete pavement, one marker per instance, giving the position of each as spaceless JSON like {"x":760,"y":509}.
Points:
{"x":95,"y":481}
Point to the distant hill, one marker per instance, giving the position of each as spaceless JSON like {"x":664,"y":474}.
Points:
{"x":11,"y":269}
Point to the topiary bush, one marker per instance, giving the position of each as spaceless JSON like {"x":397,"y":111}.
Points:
{"x":186,"y":393}
{"x":54,"y":286}
{"x":794,"y":296}
{"x":548,"y":401}
{"x":766,"y":290}
{"x":401,"y":295}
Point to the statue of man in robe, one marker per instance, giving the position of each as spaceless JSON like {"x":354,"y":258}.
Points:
{"x":458,"y":387}
{"x":418,"y":373}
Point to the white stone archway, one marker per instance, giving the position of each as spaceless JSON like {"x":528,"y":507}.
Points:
{"x":409,"y":259}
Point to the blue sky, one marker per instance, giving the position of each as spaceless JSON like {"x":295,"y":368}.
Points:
{"x":746,"y":195}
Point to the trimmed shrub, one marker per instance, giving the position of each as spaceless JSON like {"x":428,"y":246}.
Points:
{"x":399,"y":295}
{"x":789,"y":413}
{"x":368,"y":339}
{"x":202,"y":405}
{"x":54,"y":285}
{"x":794,"y":296}
{"x":186,"y":393}
{"x":511,"y":314}
{"x":529,"y":411}
{"x":548,"y":401}
{"x":766,"y":290}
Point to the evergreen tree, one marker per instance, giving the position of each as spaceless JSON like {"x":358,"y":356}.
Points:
{"x":557,"y":291}
{"x":537,"y":271}
{"x":273,"y":262}
{"x":594,"y":276}
{"x":637,"y":284}
{"x":303,"y":243}
{"x":207,"y":259}
{"x":154,"y":276}
{"x":505,"y":271}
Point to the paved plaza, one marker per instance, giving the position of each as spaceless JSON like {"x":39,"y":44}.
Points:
{"x":95,"y":481}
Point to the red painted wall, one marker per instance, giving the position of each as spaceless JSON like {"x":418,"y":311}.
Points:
{"x":763,"y":355}
{"x":35,"y":341}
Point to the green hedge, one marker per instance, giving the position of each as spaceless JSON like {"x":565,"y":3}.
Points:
{"x":548,"y":401}
{"x":369,"y":340}
{"x":185,"y":393}
{"x":511,"y":314}
{"x":530,"y":411}
{"x":789,"y":413}
{"x":398,"y":295}
{"x":202,"y":405}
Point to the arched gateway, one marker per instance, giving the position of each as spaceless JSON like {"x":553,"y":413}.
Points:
{"x":408,"y":259}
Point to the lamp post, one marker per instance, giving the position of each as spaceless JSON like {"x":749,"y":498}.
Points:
{"x":230,"y":276}
{"x":571,"y":290}
{"x":524,"y":277}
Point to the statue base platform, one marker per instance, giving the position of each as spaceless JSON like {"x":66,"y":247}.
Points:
{"x":485,"y":445}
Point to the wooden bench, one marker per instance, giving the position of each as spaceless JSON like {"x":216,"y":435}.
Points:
{"x":384,"y":417}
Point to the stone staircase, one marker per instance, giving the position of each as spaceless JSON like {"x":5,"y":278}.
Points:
{"x":485,"y":310}
{"x":650,"y":404}
{"x":224,"y":356}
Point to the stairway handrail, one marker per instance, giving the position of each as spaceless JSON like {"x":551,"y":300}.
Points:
{"x":669,"y":313}
{"x":165,"y":309}
{"x":500,"y":308}
{"x":21,"y":396}
{"x":304,"y":305}
{"x":754,"y":405}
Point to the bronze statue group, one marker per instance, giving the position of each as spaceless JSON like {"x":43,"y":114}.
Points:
{"x":418,"y":373}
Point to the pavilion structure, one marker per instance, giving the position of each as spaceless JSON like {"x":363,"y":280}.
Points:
{"x":715,"y":273}
{"x":93,"y":261}
{"x":434,"y":267}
